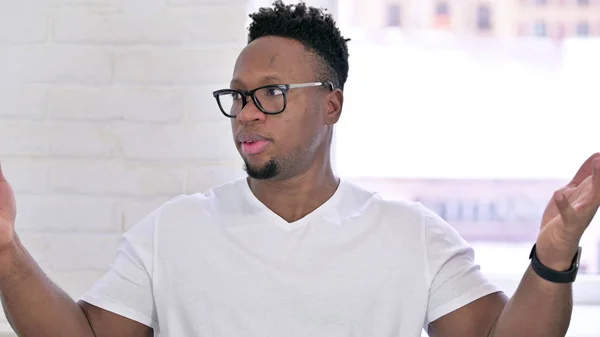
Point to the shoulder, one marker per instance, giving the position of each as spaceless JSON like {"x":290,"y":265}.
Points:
{"x":214,"y":199}
{"x":190,"y":207}
{"x":398,"y":211}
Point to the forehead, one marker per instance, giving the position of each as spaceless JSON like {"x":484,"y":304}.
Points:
{"x":273,"y":57}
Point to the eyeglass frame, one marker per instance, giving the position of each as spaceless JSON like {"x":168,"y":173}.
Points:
{"x":252,"y":93}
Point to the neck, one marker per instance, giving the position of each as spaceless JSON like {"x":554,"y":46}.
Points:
{"x":294,"y":198}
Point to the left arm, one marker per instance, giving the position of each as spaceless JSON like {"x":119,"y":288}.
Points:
{"x":539,"y":308}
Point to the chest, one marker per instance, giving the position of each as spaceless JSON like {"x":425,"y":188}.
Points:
{"x":357,"y":283}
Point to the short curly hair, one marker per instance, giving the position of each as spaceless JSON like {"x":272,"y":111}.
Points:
{"x":312,"y":27}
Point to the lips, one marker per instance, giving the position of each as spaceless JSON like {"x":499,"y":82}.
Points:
{"x":250,"y":147}
{"x":249,"y":137}
{"x":252,"y":143}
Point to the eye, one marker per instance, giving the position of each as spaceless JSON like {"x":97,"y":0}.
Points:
{"x":236,"y":96}
{"x":274,"y":91}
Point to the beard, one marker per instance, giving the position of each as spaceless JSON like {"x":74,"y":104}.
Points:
{"x":269,"y":170}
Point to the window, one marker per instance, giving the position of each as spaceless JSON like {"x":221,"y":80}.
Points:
{"x":539,"y":28}
{"x":474,"y":153}
{"x":442,"y":9}
{"x":484,"y":20}
{"x":393,"y":15}
{"x":522,"y":29}
{"x":583,"y":29}
{"x":561,"y":31}
{"x":442,"y":15}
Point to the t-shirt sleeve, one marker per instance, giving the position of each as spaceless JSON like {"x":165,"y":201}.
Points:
{"x":126,"y":289}
{"x":455,"y":280}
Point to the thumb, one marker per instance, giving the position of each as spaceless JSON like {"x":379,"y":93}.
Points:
{"x":2,"y":178}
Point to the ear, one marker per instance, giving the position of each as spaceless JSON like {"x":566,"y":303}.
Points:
{"x":333,"y":106}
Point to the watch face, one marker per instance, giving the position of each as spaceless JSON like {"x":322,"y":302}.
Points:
{"x":577,"y":259}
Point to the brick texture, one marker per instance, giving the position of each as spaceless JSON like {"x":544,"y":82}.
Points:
{"x":106,"y":112}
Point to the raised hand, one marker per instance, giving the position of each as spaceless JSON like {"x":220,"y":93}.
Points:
{"x":568,"y":215}
{"x":8,"y":211}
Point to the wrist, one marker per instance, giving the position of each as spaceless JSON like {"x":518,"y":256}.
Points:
{"x":11,"y":254}
{"x":556,"y":260}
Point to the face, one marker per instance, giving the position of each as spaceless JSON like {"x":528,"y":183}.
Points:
{"x":287,"y":144}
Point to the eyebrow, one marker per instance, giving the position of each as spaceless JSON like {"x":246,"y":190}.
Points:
{"x":269,"y":78}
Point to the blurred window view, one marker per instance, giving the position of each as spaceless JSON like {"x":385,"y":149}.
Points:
{"x":583,"y":29}
{"x":394,"y":15}
{"x":540,"y":28}
{"x":480,"y":110}
{"x":484,"y":18}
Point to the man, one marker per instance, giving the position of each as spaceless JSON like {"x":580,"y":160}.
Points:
{"x":293,"y":250}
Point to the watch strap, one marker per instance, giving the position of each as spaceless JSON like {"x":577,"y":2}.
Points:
{"x":552,"y":275}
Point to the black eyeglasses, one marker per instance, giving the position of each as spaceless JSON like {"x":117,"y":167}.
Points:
{"x":270,"y":99}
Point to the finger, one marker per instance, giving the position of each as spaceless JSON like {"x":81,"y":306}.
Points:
{"x":585,"y":170}
{"x":2,"y":179}
{"x":596,"y":180}
{"x":566,"y":210}
{"x":576,"y":217}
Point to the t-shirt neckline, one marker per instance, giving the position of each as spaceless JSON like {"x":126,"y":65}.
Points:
{"x":327,"y":209}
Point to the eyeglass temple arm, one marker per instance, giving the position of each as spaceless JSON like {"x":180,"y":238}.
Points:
{"x":312,"y":84}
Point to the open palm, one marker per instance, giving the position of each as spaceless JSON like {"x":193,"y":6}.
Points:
{"x":8,"y":211}
{"x":572,"y":208}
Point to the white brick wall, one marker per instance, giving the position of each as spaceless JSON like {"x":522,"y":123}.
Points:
{"x":106,"y":112}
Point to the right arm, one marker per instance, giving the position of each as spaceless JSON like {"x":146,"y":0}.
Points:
{"x":34,"y":306}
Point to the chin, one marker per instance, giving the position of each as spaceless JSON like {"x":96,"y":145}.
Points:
{"x":262,"y":171}
{"x":256,"y":162}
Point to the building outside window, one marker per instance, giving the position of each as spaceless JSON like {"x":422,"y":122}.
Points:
{"x":442,"y":15}
{"x":442,"y":8}
{"x":561,"y":31}
{"x":484,"y":18}
{"x":393,"y":15}
{"x":540,"y":28}
{"x":582,"y":29}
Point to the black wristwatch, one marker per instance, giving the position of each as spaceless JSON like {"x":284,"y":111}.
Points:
{"x":553,"y":275}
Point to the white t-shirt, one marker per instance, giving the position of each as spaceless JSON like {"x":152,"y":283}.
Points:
{"x":222,"y":264}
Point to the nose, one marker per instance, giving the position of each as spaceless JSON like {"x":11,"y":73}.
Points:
{"x":250,"y":113}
